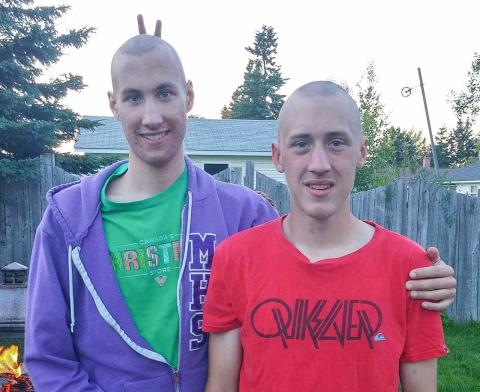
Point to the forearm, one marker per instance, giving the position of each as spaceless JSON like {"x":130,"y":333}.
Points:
{"x":224,"y":360}
{"x":419,"y":376}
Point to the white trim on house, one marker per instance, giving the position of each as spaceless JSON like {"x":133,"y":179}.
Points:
{"x":188,"y":152}
{"x":101,"y":151}
{"x":453,"y":182}
{"x":231,"y":153}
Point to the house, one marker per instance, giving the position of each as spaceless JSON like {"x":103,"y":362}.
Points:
{"x":465,"y":179}
{"x":213,"y":145}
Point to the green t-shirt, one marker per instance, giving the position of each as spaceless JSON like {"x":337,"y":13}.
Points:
{"x":144,"y":243}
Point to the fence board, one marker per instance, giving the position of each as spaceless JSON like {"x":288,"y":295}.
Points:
{"x":434,"y":216}
{"x":426,"y":213}
{"x":277,"y":191}
{"x":249,"y":174}
{"x":21,"y":207}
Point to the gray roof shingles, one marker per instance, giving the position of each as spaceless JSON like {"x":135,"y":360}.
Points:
{"x":466,"y":173}
{"x":246,"y":136}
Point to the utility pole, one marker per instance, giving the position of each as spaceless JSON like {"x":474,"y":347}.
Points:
{"x":432,"y":143}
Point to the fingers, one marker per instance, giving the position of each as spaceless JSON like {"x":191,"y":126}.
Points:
{"x":434,"y":295}
{"x":141,"y":24}
{"x":439,"y":270}
{"x":438,"y":306}
{"x":432,"y":284}
{"x":143,"y":30}
{"x":158,"y":29}
{"x":433,"y":254}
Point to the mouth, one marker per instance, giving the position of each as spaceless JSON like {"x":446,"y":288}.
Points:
{"x":320,"y":187}
{"x":154,"y":137}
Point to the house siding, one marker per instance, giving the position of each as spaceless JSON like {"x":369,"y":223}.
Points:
{"x":263,"y":165}
{"x":466,"y":187}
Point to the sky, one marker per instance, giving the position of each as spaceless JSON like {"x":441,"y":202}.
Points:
{"x":317,"y":40}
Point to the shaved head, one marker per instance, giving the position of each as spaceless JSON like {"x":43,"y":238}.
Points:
{"x":143,"y":45}
{"x":322,"y":89}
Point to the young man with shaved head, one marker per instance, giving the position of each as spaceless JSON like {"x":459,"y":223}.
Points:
{"x":315,"y":300}
{"x":122,"y":259}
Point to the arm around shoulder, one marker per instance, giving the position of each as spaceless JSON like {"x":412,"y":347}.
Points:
{"x":224,"y":360}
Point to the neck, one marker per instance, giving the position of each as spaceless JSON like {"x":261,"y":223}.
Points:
{"x":331,"y":237}
{"x":143,"y":180}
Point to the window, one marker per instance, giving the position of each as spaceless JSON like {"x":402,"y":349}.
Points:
{"x":214,"y":168}
{"x":8,"y":278}
{"x":474,"y":190}
{"x":14,"y":278}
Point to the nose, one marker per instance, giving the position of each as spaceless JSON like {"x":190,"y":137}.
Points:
{"x":152,"y":114}
{"x":319,"y":161}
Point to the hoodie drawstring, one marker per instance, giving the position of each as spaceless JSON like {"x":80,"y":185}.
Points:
{"x":70,"y":289}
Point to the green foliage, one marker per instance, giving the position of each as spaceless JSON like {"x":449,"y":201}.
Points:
{"x":32,"y":119}
{"x":459,"y":370}
{"x":257,"y":98}
{"x":391,"y":150}
{"x":459,"y":146}
{"x":407,"y":146}
{"x":19,"y":169}
{"x":444,"y":147}
{"x":84,"y":164}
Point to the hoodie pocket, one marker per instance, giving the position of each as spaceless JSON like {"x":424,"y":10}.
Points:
{"x":160,"y":384}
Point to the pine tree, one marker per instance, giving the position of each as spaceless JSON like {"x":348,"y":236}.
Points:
{"x":443,"y":146}
{"x":257,"y":98}
{"x":464,"y":144}
{"x":32,"y":118}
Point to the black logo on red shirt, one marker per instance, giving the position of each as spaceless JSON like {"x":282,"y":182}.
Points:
{"x":317,"y":320}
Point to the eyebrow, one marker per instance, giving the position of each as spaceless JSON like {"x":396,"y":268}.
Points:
{"x":166,"y":86}
{"x":160,"y":87}
{"x":328,"y":134}
{"x":130,"y":91}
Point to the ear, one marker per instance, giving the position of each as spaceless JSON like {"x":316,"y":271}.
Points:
{"x":113,"y":104}
{"x":190,"y":95}
{"x":363,"y":154}
{"x":277,"y":158}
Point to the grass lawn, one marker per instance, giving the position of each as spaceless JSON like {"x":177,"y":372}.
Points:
{"x":459,"y":371}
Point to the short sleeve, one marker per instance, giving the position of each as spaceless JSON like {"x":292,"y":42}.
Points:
{"x":219,"y":313}
{"x":424,"y":338}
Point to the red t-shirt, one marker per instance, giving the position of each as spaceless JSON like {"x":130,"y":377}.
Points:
{"x":341,"y":324}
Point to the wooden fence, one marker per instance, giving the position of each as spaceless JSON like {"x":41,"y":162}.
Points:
{"x":423,"y":211}
{"x":432,"y":215}
{"x":427,"y":213}
{"x":21,"y":208}
{"x":277,"y":191}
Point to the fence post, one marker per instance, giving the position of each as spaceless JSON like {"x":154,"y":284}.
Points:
{"x":47,"y":163}
{"x":249,"y":179}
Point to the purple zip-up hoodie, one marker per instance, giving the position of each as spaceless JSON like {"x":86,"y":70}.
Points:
{"x":79,"y":333}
